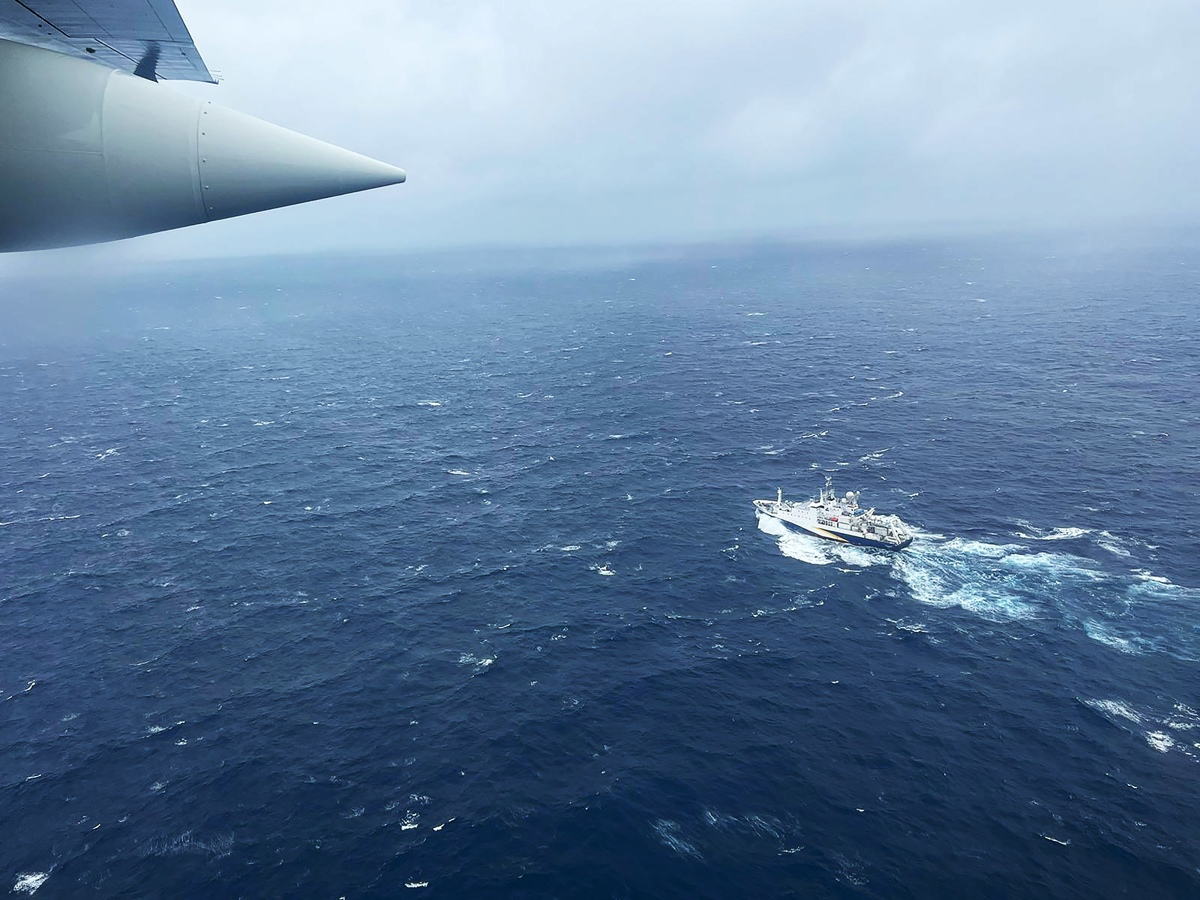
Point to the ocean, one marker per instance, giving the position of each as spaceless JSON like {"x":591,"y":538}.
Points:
{"x":439,"y":576}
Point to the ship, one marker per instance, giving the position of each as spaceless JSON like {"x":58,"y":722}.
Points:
{"x":839,"y":519}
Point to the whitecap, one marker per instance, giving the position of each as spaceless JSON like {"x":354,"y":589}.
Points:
{"x":429,"y":403}
{"x":480,"y":664}
{"x":1183,"y":719}
{"x":1153,"y":727}
{"x":763,"y":826}
{"x":1104,"y":634}
{"x":1115,"y":709}
{"x":669,"y":833}
{"x":911,"y":627}
{"x":1147,"y":575}
{"x":28,"y":882}
{"x":1112,"y":544}
{"x":1053,"y":565}
{"x":1064,"y":534}
{"x":1159,"y":740}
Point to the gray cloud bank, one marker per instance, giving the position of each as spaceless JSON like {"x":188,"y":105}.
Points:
{"x":548,"y":122}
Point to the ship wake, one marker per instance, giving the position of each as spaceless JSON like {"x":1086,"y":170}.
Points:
{"x":1009,"y":582}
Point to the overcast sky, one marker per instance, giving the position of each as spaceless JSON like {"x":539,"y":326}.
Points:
{"x":537,"y":121}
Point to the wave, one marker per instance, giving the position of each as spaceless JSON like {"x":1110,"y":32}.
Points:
{"x":1163,"y":732}
{"x":28,"y":882}
{"x":480,"y":664}
{"x":1005,"y":582}
{"x":985,"y":579}
{"x":1032,"y":533}
{"x":1117,"y":545}
{"x":670,"y":835}
{"x":1108,"y":635}
{"x":1113,"y":544}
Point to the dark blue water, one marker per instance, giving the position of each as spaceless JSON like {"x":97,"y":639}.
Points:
{"x":368,"y":577}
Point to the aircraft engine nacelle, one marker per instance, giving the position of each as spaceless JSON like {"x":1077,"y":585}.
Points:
{"x":89,"y":153}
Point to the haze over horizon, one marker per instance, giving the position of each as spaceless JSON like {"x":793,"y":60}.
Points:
{"x":624,"y":123}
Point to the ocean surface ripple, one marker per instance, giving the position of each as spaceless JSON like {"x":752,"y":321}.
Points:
{"x":359,"y":577}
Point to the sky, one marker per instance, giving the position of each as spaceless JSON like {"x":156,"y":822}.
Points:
{"x":578,"y":121}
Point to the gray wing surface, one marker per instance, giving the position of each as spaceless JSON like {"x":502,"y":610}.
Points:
{"x":92,"y":150}
{"x":142,"y":37}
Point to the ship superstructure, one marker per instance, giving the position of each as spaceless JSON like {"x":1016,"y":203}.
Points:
{"x":839,"y":519}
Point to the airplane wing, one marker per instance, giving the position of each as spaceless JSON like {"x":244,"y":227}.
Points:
{"x":142,"y":37}
{"x":90,"y":152}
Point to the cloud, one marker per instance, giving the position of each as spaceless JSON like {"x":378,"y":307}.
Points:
{"x":537,"y":121}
